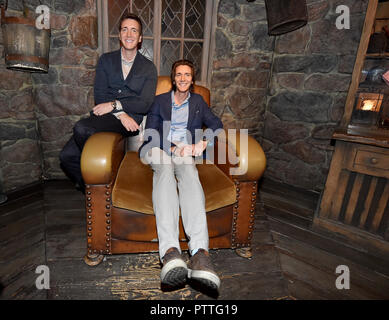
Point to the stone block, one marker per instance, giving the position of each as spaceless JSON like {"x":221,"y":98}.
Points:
{"x":305,"y":152}
{"x":280,"y":132}
{"x":305,"y":63}
{"x":12,"y":131}
{"x":22,"y":151}
{"x":260,"y":38}
{"x":245,"y":103}
{"x":239,"y":27}
{"x":254,"y":12}
{"x":45,"y":78}
{"x":303,"y":175}
{"x":346,"y":64}
{"x":229,"y":8}
{"x":323,"y":132}
{"x":54,"y":128}
{"x":223,"y":44}
{"x":328,"y":82}
{"x":337,"y":110}
{"x":223,"y":79}
{"x":309,"y":107}
{"x":293,"y":42}
{"x":58,"y":21}
{"x":253,"y":79}
{"x":83,"y":31}
{"x":13,"y":80}
{"x":327,"y":39}
{"x":290,"y":80}
{"x":66,"y":56}
{"x":317,"y":10}
{"x":56,"y":101}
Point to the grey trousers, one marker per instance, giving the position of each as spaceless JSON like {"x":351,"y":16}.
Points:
{"x":170,"y":174}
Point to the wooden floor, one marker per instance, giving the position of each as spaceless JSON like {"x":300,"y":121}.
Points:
{"x":45,"y":225}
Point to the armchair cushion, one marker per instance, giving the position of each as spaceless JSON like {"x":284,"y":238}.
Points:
{"x":134,"y":184}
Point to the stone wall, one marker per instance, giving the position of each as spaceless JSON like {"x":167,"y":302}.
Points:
{"x":289,"y":90}
{"x":20,"y":156}
{"x":38,"y":110}
{"x":65,"y":93}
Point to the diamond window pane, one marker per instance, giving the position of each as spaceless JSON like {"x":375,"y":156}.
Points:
{"x":170,"y":53}
{"x":193,"y":51}
{"x":194,"y":19}
{"x":116,"y":8}
{"x":171,"y":18}
{"x":147,"y":49}
{"x":145,"y":10}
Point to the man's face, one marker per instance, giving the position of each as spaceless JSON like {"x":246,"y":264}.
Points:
{"x":183,"y":78}
{"x":130,"y":34}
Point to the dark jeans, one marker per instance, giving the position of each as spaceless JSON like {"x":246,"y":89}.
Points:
{"x":70,"y":155}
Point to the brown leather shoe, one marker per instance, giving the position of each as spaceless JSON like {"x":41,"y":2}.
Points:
{"x":174,"y":270}
{"x":201,"y":270}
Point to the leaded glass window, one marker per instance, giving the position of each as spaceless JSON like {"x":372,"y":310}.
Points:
{"x":172,"y":30}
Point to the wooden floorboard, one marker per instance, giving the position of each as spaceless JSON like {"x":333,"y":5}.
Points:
{"x":289,"y":261}
{"x":58,"y":240}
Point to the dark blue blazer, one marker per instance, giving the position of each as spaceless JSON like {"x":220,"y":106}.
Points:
{"x":161,"y":111}
{"x":136,"y":92}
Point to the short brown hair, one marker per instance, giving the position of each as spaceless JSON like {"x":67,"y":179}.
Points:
{"x":178,"y":63}
{"x":131,"y":16}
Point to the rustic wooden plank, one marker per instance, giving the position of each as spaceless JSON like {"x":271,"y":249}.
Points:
{"x":339,"y":195}
{"x":368,"y":201}
{"x":304,"y":199}
{"x":381,"y":207}
{"x":352,"y":203}
{"x":332,"y":244}
{"x":331,"y":186}
{"x":318,"y":279}
{"x":287,"y":216}
{"x":359,"y":61}
{"x":364,"y":280}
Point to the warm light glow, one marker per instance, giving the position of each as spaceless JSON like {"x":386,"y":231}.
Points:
{"x":369,"y":105}
{"x":369,"y":101}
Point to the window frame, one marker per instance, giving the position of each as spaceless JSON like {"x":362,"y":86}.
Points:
{"x":208,"y":40}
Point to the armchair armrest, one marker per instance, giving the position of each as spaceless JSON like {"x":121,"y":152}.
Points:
{"x":101,"y":157}
{"x":245,"y":159}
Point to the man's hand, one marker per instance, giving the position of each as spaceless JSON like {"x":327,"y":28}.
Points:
{"x":102,"y":108}
{"x":198,"y":148}
{"x":128,"y":122}
{"x":182,"y":150}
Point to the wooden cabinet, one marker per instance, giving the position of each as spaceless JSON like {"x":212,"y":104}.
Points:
{"x":354,"y":206}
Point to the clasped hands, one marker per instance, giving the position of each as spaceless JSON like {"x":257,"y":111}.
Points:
{"x":186,"y":150}
{"x":127,"y":122}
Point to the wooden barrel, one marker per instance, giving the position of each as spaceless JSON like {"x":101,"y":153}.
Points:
{"x":285,"y":15}
{"x":26,"y":48}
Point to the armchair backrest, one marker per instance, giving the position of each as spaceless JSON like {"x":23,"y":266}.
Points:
{"x":164,"y":85}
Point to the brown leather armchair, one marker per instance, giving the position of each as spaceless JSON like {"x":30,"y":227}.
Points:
{"x":119,"y":209}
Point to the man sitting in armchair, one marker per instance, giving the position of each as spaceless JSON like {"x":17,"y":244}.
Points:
{"x":171,"y":158}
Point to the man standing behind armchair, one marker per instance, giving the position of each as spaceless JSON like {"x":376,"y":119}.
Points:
{"x":124,"y":90}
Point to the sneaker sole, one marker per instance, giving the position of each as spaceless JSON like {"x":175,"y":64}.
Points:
{"x":174,"y":273}
{"x":206,"y":278}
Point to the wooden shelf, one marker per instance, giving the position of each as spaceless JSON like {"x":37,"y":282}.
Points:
{"x":384,"y":55}
{"x":379,"y":138}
